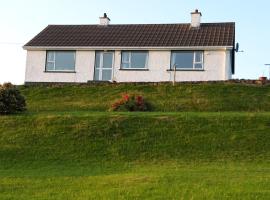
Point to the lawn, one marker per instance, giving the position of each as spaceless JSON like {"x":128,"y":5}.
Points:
{"x":163,"y":180}
{"x":66,"y":146}
{"x":165,"y":98}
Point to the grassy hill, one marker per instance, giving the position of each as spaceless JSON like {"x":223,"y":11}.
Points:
{"x":68,"y":147}
{"x":165,"y":98}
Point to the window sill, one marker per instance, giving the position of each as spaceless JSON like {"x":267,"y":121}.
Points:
{"x":187,"y":70}
{"x":69,"y":72}
{"x":134,"y":69}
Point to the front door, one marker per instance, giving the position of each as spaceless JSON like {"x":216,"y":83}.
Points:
{"x":103,"y":66}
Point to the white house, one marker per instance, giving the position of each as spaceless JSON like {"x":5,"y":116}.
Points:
{"x":132,"y":52}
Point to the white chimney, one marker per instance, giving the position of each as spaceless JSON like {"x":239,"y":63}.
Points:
{"x":105,"y":20}
{"x":196,"y":19}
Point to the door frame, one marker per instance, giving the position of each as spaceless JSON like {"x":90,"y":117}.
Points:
{"x":101,"y":64}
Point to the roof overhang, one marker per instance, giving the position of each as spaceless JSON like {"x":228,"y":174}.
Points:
{"x":91,"y":48}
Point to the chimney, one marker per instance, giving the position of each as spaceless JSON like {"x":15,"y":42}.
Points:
{"x":196,"y":19}
{"x":105,"y":20}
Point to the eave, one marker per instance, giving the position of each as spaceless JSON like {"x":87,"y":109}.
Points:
{"x":93,"y":48}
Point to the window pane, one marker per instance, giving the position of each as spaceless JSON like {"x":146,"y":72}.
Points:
{"x":49,"y":66}
{"x":125,"y":57}
{"x":107,"y":60}
{"x":198,"y":56}
{"x":138,"y":60}
{"x":96,"y":78}
{"x":50,"y":56}
{"x":64,"y":60}
{"x":106,"y":75}
{"x":183,"y":60}
{"x":198,"y":66}
{"x":125,"y":65}
{"x":97,"y":60}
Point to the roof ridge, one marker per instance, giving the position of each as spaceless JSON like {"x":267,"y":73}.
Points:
{"x":207,"y":23}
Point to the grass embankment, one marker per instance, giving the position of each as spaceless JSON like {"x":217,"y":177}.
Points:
{"x":165,"y":98}
{"x":62,"y":149}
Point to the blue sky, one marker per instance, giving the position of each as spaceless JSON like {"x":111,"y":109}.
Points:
{"x":20,"y":20}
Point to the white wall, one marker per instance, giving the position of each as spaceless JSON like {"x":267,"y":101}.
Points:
{"x":228,"y":66}
{"x":35,"y":68}
{"x":159,"y":64}
{"x":217,"y":66}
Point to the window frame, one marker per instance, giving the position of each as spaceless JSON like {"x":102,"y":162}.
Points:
{"x":101,"y":63}
{"x":130,"y":53}
{"x":54,"y":61}
{"x":194,"y":60}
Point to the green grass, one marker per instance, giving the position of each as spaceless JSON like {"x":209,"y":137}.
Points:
{"x":67,"y":147}
{"x":165,"y":98}
{"x":151,"y":181}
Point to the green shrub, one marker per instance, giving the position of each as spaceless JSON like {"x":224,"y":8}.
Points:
{"x":131,"y":103}
{"x":11,"y":100}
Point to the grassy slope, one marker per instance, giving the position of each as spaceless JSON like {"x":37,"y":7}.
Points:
{"x":66,"y":152}
{"x":187,"y":97}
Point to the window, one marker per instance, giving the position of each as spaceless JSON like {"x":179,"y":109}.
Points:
{"x":134,"y":59}
{"x":60,"y":61}
{"x":103,"y":66}
{"x":187,"y":60}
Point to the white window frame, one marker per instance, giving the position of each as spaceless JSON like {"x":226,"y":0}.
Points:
{"x":200,"y":62}
{"x":194,"y":61}
{"x":129,"y":60}
{"x":101,"y":67}
{"x":53,"y":61}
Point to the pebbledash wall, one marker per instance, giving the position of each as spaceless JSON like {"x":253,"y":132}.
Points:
{"x":217,"y":66}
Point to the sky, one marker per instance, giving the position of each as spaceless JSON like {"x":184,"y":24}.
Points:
{"x":21,"y":20}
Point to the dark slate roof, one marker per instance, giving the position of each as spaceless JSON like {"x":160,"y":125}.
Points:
{"x":136,"y":35}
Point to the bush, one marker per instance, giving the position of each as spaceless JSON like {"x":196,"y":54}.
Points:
{"x":131,"y":103}
{"x":11,"y":100}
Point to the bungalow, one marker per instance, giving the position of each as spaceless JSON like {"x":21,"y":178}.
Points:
{"x":132,"y":53}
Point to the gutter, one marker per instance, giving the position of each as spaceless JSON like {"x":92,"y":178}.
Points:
{"x":36,"y":48}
